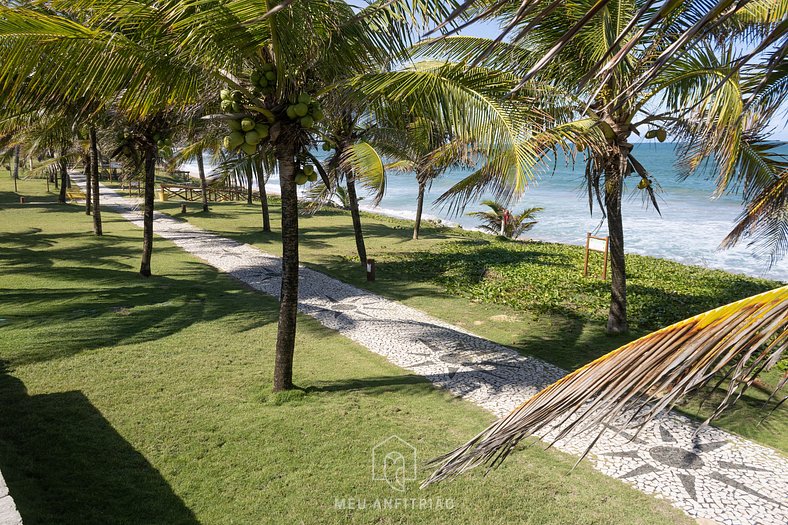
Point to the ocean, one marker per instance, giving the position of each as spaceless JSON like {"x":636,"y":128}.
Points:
{"x":689,"y":230}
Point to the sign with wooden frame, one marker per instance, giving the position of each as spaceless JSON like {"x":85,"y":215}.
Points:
{"x":597,"y":244}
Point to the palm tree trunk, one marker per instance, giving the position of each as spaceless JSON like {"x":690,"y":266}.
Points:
{"x":419,"y":209}
{"x":203,"y":182}
{"x":617,"y":317}
{"x":97,"y":226}
{"x":288,"y":297}
{"x":350,"y":177}
{"x":63,"y":179}
{"x":263,"y":202}
{"x":147,"y":215}
{"x":88,"y":187}
{"x":249,"y":190}
{"x":16,"y":167}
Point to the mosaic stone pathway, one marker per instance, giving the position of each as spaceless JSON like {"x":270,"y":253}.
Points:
{"x":713,"y":475}
{"x":8,"y":513}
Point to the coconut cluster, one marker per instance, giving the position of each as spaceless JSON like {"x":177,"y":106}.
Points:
{"x":162,"y":141}
{"x":305,"y":174}
{"x":264,"y":80}
{"x":232,"y":101}
{"x":304,"y":110}
{"x":245,"y":134}
{"x":660,"y":134}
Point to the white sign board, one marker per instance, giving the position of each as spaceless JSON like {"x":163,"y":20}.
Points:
{"x":596,"y":244}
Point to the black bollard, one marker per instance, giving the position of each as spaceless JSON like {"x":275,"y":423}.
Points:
{"x":370,"y":270}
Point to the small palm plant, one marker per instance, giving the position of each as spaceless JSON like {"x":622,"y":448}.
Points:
{"x":501,"y":221}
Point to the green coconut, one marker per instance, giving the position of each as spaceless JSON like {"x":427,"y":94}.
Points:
{"x":291,"y":114}
{"x":270,"y":75}
{"x":234,"y":125}
{"x":301,"y":178}
{"x":267,"y":67}
{"x":326,"y":146}
{"x":650,"y":134}
{"x":227,"y":105}
{"x":263,"y":83}
{"x":248,"y":124}
{"x":236,"y":139}
{"x":662,"y":135}
{"x":304,"y":98}
{"x":311,"y":176}
{"x":317,"y":114}
{"x":301,"y":109}
{"x":237,"y":107}
{"x":262,"y":130}
{"x":307,"y":122}
{"x":226,"y":94}
{"x":252,"y":137}
{"x":249,"y":149}
{"x":254,"y":78}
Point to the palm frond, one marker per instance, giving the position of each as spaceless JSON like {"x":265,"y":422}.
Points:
{"x":642,"y":379}
{"x":367,"y":166}
{"x":765,"y":221}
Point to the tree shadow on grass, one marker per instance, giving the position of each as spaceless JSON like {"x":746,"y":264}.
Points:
{"x":374,"y":385}
{"x":64,"y":463}
{"x":568,"y":340}
{"x":101,"y":302}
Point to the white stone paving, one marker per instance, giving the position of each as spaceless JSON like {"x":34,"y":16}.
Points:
{"x":8,"y":513}
{"x":712,"y":475}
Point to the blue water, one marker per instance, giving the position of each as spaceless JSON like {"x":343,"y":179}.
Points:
{"x":689,"y":230}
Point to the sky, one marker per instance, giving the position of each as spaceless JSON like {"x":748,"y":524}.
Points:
{"x":489,"y":29}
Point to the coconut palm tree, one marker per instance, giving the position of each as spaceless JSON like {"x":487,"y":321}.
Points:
{"x":427,"y":151}
{"x":565,"y":47}
{"x":353,"y":159}
{"x":501,"y":221}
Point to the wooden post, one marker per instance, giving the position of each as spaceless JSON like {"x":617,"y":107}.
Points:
{"x":370,"y":270}
{"x":585,"y":269}
{"x":183,"y":208}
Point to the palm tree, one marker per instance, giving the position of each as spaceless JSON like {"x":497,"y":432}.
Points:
{"x":427,"y":151}
{"x":567,"y":45}
{"x":500,"y":221}
{"x":353,"y":159}
{"x":308,"y":46}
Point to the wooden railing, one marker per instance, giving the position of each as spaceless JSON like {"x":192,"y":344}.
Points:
{"x":194,"y":193}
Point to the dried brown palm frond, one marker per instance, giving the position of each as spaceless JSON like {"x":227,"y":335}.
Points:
{"x":642,"y":379}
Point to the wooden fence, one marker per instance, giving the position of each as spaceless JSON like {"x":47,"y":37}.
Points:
{"x":188,"y":192}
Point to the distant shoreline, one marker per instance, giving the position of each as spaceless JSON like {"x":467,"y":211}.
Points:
{"x":409,"y":215}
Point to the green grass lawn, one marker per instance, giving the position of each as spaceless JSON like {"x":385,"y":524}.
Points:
{"x":530,"y":296}
{"x":130,"y":400}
